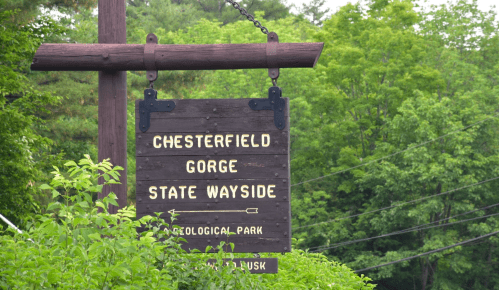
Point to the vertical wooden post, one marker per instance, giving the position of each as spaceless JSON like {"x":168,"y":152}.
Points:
{"x":112,"y":98}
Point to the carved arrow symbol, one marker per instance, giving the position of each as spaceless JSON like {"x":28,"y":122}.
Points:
{"x":253,"y":210}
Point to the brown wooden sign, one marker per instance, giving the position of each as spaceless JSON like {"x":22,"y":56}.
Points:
{"x":255,"y":265}
{"x":222,"y":167}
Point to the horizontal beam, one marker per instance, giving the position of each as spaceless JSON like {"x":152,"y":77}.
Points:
{"x":121,"y":57}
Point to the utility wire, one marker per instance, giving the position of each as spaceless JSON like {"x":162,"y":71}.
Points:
{"x":320,"y":249}
{"x":410,"y":229}
{"x":427,"y":253}
{"x":401,"y":204}
{"x":388,"y":156}
{"x":13,"y":226}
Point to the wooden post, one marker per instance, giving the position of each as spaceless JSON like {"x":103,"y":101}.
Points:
{"x":112,"y":99}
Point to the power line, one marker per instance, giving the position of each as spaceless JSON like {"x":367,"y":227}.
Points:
{"x":398,"y":233}
{"x":382,"y":158}
{"x":401,"y":204}
{"x":411,"y":229}
{"x":427,"y":253}
{"x":13,"y":226}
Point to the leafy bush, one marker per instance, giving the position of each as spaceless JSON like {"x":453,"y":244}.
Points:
{"x":303,"y":270}
{"x":79,"y":245}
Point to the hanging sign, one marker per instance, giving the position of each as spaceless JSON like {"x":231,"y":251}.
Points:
{"x":223,"y":166}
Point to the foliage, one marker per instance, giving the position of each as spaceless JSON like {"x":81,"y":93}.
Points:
{"x":389,"y":88}
{"x":303,"y":270}
{"x":79,"y":245}
{"x":314,"y":11}
{"x":76,"y":246}
{"x":22,"y":148}
{"x":147,"y":16}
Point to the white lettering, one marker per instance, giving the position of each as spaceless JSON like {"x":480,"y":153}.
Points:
{"x":191,"y":192}
{"x":253,"y":141}
{"x":243,"y":140}
{"x":190,"y":169}
{"x":207,"y":141}
{"x":212,"y":191}
{"x":270,"y":189}
{"x":265,"y":140}
{"x":224,"y":191}
{"x":163,"y":188}
{"x":152,"y":191}
{"x":154,"y":143}
{"x":167,"y":141}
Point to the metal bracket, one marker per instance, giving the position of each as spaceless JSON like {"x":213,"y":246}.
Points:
{"x":274,"y":103}
{"x":150,"y":58}
{"x":271,"y":53}
{"x":151,"y":104}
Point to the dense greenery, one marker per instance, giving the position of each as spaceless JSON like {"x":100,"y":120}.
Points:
{"x":389,"y":80}
{"x":23,"y":151}
{"x":77,"y":247}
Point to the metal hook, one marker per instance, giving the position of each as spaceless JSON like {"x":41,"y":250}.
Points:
{"x":151,"y":84}
{"x":274,"y":82}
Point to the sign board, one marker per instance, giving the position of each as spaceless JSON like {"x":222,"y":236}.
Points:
{"x":255,"y":265}
{"x":222,"y":167}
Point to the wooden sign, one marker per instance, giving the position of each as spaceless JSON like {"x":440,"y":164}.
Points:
{"x":255,"y":265}
{"x":222,"y":167}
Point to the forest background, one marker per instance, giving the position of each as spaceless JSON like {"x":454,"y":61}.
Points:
{"x":399,"y":112}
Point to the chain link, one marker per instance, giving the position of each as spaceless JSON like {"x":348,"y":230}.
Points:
{"x":249,"y":16}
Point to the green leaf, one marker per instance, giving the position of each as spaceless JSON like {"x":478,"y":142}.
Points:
{"x":70,"y":163}
{"x":45,"y":186}
{"x":53,"y":205}
{"x":55,"y":193}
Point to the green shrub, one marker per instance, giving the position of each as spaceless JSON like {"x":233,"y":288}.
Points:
{"x":303,"y":270}
{"x":77,"y":247}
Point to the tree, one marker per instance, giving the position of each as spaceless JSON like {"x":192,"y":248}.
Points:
{"x":21,"y":147}
{"x":314,"y":11}
{"x":390,"y":87}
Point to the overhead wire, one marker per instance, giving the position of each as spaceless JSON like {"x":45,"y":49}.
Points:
{"x":333,"y":246}
{"x":428,"y":253}
{"x":421,"y":226}
{"x":397,"y":205}
{"x":396,"y":153}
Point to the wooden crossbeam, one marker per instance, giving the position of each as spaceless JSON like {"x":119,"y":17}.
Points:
{"x":122,"y":57}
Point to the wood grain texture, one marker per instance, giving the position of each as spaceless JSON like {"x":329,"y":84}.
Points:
{"x":213,"y":108}
{"x":256,"y":195}
{"x":98,"y":57}
{"x":241,"y":244}
{"x":211,"y":125}
{"x":112,"y":100}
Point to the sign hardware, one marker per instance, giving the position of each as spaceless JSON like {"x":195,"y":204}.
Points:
{"x":149,"y":58}
{"x":274,"y":101}
{"x":151,"y":104}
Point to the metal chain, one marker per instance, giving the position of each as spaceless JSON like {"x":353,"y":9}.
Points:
{"x":249,"y":16}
